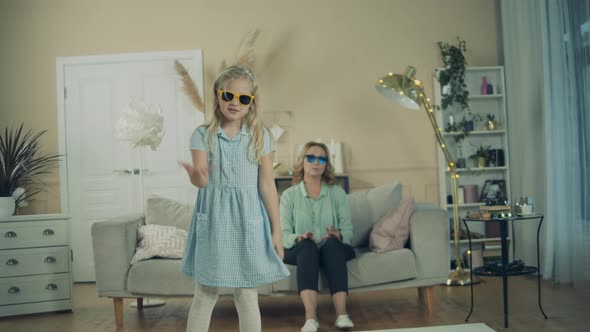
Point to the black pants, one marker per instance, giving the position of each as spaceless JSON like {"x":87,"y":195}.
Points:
{"x":331,"y":257}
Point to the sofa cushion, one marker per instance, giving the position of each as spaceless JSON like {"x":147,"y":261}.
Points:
{"x":159,"y":241}
{"x":166,"y":279}
{"x":393,"y":229}
{"x":370,"y":268}
{"x":367,"y":207}
{"x":366,"y":269}
{"x":146,"y":277}
{"x":168,"y":212}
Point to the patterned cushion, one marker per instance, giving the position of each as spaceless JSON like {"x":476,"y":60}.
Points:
{"x":159,"y":241}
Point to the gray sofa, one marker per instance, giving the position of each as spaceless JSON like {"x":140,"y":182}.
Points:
{"x":422,"y":264}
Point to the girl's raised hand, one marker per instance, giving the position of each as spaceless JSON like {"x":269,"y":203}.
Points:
{"x":188,"y":167}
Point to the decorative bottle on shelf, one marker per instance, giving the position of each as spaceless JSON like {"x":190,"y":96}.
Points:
{"x":484,"y":85}
{"x":490,"y":89}
{"x":461,"y":161}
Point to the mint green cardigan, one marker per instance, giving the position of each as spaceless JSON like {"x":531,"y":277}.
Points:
{"x":301,"y":214}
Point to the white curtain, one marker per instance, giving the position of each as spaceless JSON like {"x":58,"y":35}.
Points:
{"x":555,"y":34}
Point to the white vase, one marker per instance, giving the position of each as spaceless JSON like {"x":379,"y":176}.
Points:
{"x":6,"y":206}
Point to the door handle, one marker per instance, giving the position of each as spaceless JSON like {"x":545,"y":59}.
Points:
{"x":12,"y":261}
{"x":123,"y":171}
{"x":50,"y":259}
{"x":137,"y":171}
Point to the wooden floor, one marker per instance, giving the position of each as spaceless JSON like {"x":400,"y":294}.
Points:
{"x":567,"y":309}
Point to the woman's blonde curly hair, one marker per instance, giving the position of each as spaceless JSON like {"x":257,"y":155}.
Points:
{"x":328,"y":175}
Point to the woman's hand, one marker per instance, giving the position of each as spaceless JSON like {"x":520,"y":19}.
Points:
{"x":278,"y":244}
{"x":332,"y":232}
{"x":308,"y":235}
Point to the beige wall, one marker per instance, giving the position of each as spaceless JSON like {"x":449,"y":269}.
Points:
{"x":317,"y":63}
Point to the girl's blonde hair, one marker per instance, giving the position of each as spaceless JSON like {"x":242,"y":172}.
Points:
{"x":327,"y":176}
{"x":251,"y":121}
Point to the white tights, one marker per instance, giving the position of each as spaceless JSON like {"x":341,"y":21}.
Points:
{"x":205,"y":297}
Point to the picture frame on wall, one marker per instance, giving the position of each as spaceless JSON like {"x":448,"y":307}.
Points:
{"x":493,"y":192}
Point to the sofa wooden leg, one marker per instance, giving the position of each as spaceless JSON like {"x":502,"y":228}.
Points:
{"x":425,"y":297}
{"x":140,"y":303}
{"x":118,"y":302}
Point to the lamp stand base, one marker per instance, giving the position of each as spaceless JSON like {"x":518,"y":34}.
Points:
{"x":459,"y":277}
{"x":149,"y":302}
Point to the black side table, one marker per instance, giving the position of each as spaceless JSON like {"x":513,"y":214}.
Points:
{"x":504,"y":272}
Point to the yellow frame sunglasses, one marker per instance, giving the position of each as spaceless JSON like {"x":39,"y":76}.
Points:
{"x":229,"y":96}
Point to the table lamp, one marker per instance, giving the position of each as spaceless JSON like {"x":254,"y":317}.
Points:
{"x":409,"y":92}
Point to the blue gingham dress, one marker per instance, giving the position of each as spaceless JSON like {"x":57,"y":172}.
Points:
{"x":230,"y":240}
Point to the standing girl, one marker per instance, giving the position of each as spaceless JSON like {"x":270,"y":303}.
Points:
{"x":231,"y":241}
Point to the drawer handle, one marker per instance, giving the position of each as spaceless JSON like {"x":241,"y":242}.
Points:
{"x":50,"y":259}
{"x":51,"y":287}
{"x":48,"y":232}
{"x":13,"y":290}
{"x":12,"y":261}
{"x":10,"y":234}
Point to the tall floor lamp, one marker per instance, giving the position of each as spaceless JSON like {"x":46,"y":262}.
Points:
{"x":141,"y":125}
{"x":409,"y":92}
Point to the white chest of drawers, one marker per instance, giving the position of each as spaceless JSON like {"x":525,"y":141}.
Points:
{"x":35,"y":264}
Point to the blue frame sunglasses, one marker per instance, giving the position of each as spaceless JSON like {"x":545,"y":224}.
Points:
{"x":312,"y":159}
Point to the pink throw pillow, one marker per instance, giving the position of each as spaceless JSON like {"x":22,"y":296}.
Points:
{"x":392,"y":230}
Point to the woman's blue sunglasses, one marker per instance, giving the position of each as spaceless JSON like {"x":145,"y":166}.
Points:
{"x":311,"y":159}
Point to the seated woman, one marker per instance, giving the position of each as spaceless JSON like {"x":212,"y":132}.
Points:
{"x":316,"y":231}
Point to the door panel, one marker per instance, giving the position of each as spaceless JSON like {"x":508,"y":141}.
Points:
{"x":101,"y":181}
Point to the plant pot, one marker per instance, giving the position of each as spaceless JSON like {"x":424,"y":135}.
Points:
{"x":7,"y":206}
{"x":481,"y":162}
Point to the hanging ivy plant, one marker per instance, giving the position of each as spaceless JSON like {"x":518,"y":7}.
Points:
{"x":452,"y":77}
{"x":454,"y":89}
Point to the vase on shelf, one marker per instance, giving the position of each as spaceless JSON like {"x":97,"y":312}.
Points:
{"x":468,"y":123}
{"x":484,"y":85}
{"x":461,"y":161}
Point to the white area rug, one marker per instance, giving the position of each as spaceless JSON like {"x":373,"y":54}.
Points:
{"x":479,"y":327}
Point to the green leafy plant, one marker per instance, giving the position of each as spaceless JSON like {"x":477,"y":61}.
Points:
{"x":452,"y":81}
{"x":452,"y":76}
{"x":481,"y":152}
{"x":22,"y":163}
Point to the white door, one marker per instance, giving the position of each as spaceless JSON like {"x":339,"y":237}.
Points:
{"x":106,"y":177}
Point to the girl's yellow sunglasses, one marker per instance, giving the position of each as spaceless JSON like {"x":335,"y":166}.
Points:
{"x":228,"y":96}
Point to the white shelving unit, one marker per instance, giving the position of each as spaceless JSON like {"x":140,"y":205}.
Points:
{"x":497,"y":139}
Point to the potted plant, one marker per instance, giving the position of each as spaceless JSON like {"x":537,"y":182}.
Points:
{"x":481,"y":155}
{"x":22,"y":162}
{"x":454,"y":89}
{"x":452,"y":77}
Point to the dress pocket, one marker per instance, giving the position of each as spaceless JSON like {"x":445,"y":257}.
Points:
{"x":202,"y":225}
{"x":255,"y":219}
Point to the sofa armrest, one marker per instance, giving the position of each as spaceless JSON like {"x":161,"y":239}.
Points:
{"x":429,"y":240}
{"x":114,"y":243}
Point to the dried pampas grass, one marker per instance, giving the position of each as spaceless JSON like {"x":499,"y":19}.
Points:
{"x":189,"y":87}
{"x":245,"y":56}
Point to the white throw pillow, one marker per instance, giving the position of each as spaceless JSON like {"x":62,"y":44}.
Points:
{"x":168,"y":212}
{"x":159,"y":241}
